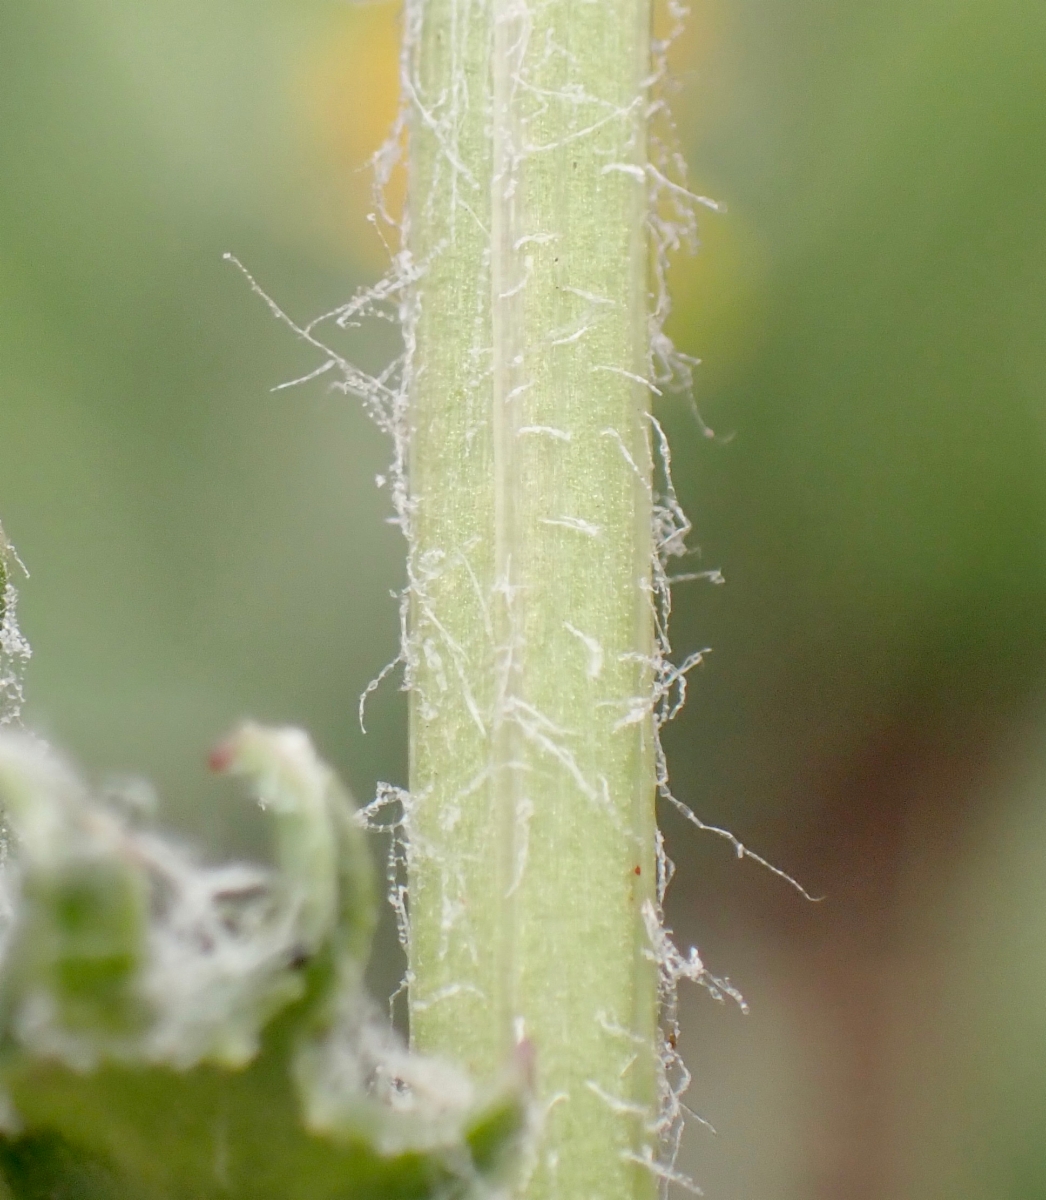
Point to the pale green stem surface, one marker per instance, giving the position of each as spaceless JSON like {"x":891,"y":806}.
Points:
{"x":530,"y":640}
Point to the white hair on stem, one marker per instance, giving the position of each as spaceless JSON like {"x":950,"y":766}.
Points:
{"x":14,"y":649}
{"x":672,"y":224}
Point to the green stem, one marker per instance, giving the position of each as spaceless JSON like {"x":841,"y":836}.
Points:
{"x":530,"y":644}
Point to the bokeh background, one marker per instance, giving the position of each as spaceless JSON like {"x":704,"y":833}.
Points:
{"x":871,"y":313}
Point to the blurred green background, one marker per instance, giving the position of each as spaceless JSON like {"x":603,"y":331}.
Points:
{"x":872,"y":318}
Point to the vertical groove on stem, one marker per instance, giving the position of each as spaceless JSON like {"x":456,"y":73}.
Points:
{"x":530,"y":642}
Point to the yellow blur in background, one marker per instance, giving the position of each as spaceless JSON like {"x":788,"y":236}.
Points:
{"x":871,"y":316}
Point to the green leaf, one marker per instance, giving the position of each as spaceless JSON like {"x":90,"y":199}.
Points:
{"x":176,"y":1031}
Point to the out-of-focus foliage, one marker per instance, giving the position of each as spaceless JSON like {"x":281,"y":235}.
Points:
{"x":872,"y":319}
{"x":872,"y":316}
{"x":170,"y":1029}
{"x":196,"y":542}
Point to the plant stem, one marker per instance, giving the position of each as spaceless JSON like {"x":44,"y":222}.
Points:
{"x":530,"y":640}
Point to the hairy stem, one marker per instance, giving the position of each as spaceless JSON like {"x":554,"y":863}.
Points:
{"x":530,"y":641}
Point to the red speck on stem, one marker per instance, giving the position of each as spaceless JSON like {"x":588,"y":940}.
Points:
{"x":526,"y":1061}
{"x":220,"y":757}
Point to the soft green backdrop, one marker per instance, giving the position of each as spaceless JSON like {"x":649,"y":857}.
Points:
{"x":872,"y":316}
